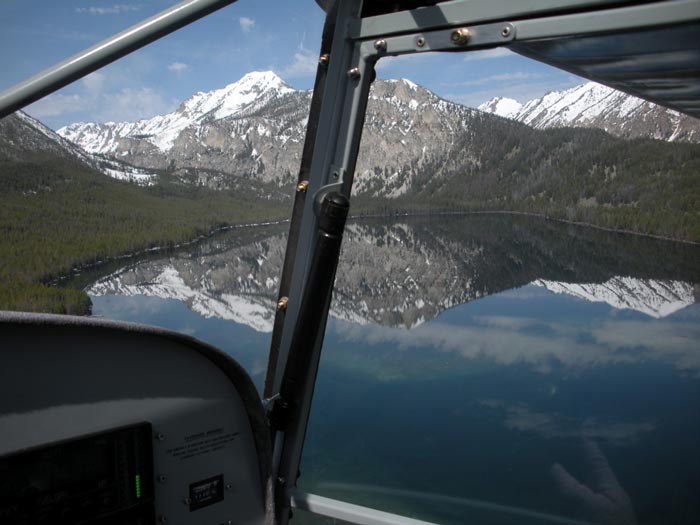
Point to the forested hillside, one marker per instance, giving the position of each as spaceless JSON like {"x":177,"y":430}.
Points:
{"x":56,"y":214}
{"x":642,"y":185}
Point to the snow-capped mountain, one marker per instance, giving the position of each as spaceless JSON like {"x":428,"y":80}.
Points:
{"x":503,"y":107}
{"x":652,"y":297}
{"x":415,"y":145}
{"x":255,"y":128}
{"x":251,"y":128}
{"x":252,"y":91}
{"x":22,"y":134}
{"x":593,"y":105}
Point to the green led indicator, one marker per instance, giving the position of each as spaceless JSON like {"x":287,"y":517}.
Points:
{"x":137,"y":481}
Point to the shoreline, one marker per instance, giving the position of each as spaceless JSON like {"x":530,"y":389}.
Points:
{"x":528,"y":214}
{"x":362,"y":216}
{"x":198,"y":238}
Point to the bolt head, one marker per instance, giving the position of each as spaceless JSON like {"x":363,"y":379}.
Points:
{"x":160,"y":436}
{"x":505,"y":31}
{"x":323,"y":59}
{"x":303,"y":186}
{"x":354,"y":73}
{"x":282,"y":303}
{"x":420,"y":41}
{"x":380,"y":45}
{"x":459,"y":37}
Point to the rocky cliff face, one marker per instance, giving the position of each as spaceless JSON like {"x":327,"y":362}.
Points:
{"x":593,"y":105}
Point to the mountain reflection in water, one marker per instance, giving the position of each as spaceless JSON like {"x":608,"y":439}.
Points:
{"x":404,"y":274}
{"x":437,"y":405}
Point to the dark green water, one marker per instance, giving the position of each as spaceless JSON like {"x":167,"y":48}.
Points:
{"x":466,"y":357}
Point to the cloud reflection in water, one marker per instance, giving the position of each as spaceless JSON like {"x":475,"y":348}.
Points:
{"x":542,"y":343}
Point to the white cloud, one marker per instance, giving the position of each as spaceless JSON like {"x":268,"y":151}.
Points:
{"x":55,"y":105}
{"x":94,"y":83}
{"x":389,"y":63}
{"x":520,"y":91}
{"x":112,"y":10}
{"x":507,"y":342}
{"x":304,"y":62}
{"x":247,"y":24}
{"x":488,"y":54}
{"x":503,"y":78}
{"x":178,"y":68}
{"x":131,"y":104}
{"x":127,"y":104}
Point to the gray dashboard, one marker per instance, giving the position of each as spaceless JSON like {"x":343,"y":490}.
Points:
{"x":68,"y":388}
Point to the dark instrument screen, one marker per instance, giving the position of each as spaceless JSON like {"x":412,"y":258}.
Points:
{"x":101,"y":479}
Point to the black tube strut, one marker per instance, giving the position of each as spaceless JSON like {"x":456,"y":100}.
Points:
{"x":334,"y":212}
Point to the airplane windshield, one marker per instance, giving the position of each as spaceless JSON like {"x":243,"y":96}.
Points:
{"x":512,"y":333}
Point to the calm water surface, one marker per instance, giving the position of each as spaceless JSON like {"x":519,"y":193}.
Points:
{"x":487,"y":368}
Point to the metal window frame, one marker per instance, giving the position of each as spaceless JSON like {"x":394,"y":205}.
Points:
{"x":351,"y":513}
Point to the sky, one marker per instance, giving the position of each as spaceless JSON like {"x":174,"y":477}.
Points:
{"x":250,"y":35}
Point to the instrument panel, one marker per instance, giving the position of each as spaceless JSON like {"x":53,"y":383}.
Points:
{"x":101,"y":478}
{"x":112,"y":423}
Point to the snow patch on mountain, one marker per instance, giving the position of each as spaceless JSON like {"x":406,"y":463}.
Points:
{"x":580,"y":104}
{"x":137,"y":176}
{"x":652,"y":297}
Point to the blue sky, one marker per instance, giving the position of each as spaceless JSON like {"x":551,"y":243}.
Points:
{"x":250,"y":35}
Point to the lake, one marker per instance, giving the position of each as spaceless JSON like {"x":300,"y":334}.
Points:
{"x":488,"y":368}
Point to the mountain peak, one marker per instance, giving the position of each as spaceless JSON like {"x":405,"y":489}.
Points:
{"x":264,"y":78}
{"x":236,"y":96}
{"x":502,"y":106}
{"x":253,"y":89}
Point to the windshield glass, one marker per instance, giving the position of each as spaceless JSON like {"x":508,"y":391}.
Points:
{"x":505,"y":369}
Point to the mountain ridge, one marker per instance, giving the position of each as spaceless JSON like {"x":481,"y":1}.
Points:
{"x":420,"y":152}
{"x":254,"y":128}
{"x":26,"y":135}
{"x":163,"y":130}
{"x":598,"y":106}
